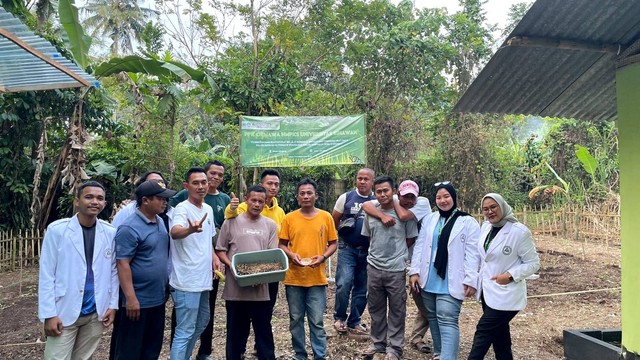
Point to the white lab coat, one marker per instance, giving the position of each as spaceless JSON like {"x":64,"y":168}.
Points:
{"x":463,"y":262}
{"x":63,"y":271}
{"x":512,"y":251}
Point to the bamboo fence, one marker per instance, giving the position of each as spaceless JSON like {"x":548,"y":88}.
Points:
{"x":19,"y":249}
{"x":599,"y":224}
{"x":572,"y":222}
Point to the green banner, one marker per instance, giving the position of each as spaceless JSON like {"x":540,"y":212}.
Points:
{"x":285,"y":141}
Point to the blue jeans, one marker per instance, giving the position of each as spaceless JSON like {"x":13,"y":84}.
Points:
{"x":443,"y":311}
{"x":351,"y":279}
{"x":309,"y":301}
{"x":192,"y":315}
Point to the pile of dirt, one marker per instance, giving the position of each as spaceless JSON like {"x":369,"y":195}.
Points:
{"x":252,"y":269}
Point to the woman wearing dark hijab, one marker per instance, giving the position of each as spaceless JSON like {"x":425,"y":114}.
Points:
{"x":508,"y":257}
{"x":444,"y":268}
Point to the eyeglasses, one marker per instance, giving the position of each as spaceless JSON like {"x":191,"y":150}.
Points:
{"x":491,"y":208}
{"x":442,"y":183}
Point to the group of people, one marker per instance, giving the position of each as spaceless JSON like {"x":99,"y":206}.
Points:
{"x":450,"y":258}
{"x":94,"y":274}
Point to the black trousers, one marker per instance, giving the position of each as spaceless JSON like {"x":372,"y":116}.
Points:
{"x":141,"y":339}
{"x":206,"y":337}
{"x":492,"y":329}
{"x":273,"y":297}
{"x":240,"y":316}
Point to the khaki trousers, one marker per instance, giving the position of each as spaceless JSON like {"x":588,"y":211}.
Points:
{"x":78,"y":341}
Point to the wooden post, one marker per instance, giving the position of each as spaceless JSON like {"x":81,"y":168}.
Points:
{"x":13,"y":248}
{"x":556,"y":228}
{"x":563,"y":216}
{"x":39,"y":244}
{"x":576,"y":224}
{"x":21,"y":240}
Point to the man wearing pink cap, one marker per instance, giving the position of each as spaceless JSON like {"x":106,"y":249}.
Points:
{"x":409,"y":206}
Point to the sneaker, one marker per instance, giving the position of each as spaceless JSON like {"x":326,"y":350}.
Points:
{"x":203,"y":357}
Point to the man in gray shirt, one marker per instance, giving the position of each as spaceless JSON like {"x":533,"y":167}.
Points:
{"x":249,"y":231}
{"x":388,"y":254}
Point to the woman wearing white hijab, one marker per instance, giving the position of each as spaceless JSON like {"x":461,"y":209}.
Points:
{"x":508,"y":257}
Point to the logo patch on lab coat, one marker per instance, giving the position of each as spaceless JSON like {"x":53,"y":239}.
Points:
{"x":108,"y":253}
{"x":506,"y":250}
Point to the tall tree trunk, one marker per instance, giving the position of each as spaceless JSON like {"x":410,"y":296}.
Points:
{"x":254,"y":72}
{"x":35,"y":196}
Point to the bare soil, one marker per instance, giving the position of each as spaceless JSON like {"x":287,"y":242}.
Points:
{"x":251,"y":269}
{"x":557,"y":302}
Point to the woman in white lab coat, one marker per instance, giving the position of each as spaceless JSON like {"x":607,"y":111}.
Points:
{"x":508,"y":257}
{"x":444,"y":268}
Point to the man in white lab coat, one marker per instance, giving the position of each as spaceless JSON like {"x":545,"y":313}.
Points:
{"x":78,"y":282}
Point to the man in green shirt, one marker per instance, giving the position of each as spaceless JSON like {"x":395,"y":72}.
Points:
{"x":218,"y":201}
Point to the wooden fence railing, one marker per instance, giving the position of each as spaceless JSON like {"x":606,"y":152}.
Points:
{"x":19,"y":248}
{"x":577,"y":223}
{"x":22,"y":248}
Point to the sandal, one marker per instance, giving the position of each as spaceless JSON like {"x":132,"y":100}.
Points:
{"x":422,"y":347}
{"x":391,"y":356}
{"x":340,"y":326}
{"x":436,"y":357}
{"x":359,"y":329}
{"x":371,"y":350}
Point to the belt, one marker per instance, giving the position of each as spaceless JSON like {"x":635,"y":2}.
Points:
{"x":360,"y":247}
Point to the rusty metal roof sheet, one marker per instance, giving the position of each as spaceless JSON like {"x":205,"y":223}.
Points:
{"x":559,"y":61}
{"x":29,"y":62}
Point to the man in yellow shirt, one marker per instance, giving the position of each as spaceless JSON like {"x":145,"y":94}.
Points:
{"x":270,"y":180}
{"x":308,"y":236}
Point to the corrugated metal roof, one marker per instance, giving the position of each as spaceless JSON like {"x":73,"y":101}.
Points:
{"x":567,"y":66}
{"x":29,"y":62}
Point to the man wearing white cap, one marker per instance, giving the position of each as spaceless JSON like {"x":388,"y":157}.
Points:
{"x":409,"y":205}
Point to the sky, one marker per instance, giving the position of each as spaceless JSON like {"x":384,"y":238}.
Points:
{"x":496,"y":10}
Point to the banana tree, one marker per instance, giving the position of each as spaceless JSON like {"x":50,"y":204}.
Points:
{"x":70,"y":163}
{"x":160,"y":99}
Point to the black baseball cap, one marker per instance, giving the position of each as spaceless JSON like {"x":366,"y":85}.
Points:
{"x":154,"y":188}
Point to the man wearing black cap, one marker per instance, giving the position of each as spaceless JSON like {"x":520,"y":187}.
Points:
{"x":141,"y":254}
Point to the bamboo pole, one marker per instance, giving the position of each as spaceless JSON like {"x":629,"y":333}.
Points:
{"x":564,"y":222}
{"x":13,"y":252}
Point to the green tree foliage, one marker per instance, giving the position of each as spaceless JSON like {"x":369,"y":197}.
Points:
{"x":21,"y":123}
{"x":76,"y":40}
{"x":178,"y":104}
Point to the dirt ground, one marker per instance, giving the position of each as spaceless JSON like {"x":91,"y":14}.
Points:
{"x":567,"y":266}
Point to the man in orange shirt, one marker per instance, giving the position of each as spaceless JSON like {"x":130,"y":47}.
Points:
{"x":308,"y":236}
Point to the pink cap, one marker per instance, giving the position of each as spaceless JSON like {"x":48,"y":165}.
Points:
{"x":408,"y":187}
